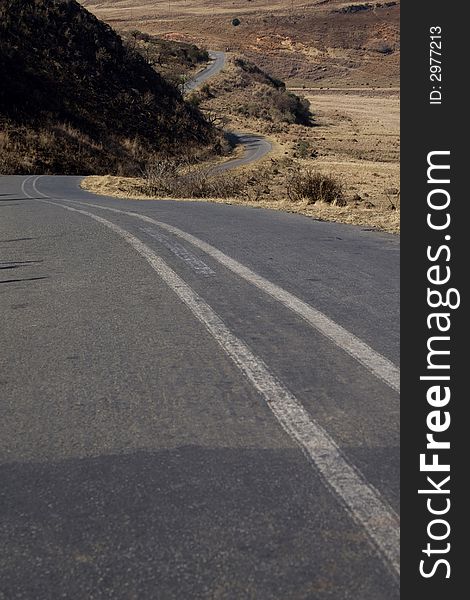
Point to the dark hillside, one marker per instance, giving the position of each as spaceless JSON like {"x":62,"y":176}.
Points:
{"x":75,"y":99}
{"x":174,"y":60}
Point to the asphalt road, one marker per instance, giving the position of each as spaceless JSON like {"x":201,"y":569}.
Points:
{"x":255,"y":146}
{"x":198,"y":400}
{"x":215,"y":66}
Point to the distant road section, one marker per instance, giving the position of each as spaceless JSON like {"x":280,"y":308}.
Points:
{"x":217,"y":64}
{"x":256,"y":146}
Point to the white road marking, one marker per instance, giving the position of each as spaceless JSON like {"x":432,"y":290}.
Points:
{"x":362,"y":501}
{"x":373,"y":361}
{"x":25,"y":193}
{"x":181,"y":252}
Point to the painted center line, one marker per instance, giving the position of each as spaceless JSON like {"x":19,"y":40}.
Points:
{"x":373,"y":361}
{"x":181,"y":252}
{"x":361,"y":500}
{"x":23,"y":189}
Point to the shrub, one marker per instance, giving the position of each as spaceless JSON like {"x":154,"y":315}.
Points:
{"x":384,"y":48}
{"x":292,"y":108}
{"x":194,"y":99}
{"x":315,"y":187}
{"x":236,"y":22}
{"x":304,"y":149}
{"x":184,"y":179}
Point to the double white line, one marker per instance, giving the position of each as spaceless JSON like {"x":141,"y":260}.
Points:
{"x":362,"y":501}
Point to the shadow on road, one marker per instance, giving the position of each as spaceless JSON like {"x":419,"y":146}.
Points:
{"x":189,"y":522}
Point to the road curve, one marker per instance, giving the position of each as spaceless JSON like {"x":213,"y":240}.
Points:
{"x":255,"y":145}
{"x":187,"y":406}
{"x":213,"y":68}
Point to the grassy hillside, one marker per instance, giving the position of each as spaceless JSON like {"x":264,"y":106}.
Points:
{"x":75,"y":99}
{"x":330,"y":43}
{"x":246,"y":91}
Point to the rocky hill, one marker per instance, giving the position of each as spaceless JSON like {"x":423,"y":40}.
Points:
{"x":75,"y":99}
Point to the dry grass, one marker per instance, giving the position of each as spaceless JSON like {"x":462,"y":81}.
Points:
{"x":357,"y":139}
{"x":133,"y":189}
{"x":57,"y":148}
{"x":109,"y":185}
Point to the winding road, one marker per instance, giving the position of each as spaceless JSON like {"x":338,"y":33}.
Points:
{"x":255,"y":146}
{"x":198,"y":400}
{"x":213,"y":68}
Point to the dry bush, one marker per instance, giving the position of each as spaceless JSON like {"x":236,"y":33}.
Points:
{"x":312,"y":186}
{"x":393,"y":197}
{"x":185,"y":179}
{"x":161,"y":176}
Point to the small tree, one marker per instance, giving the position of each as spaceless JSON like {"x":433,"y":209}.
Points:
{"x":183,"y":79}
